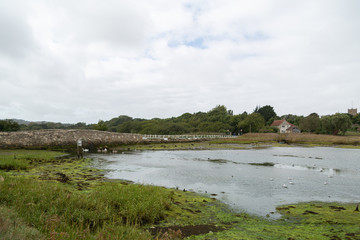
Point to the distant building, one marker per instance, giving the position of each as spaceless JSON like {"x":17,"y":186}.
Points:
{"x":285,"y":127}
{"x":352,"y":111}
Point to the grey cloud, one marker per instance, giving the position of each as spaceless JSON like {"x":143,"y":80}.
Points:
{"x":118,"y":23}
{"x":16,"y":35}
{"x":88,"y":60}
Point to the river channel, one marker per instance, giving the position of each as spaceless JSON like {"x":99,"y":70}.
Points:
{"x":253,"y":181}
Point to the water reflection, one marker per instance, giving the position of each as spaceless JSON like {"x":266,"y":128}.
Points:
{"x":247,"y":180}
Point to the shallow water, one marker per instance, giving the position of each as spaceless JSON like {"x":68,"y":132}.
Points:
{"x":247,"y":180}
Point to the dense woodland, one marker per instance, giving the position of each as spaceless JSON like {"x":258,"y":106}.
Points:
{"x":218,"y":120}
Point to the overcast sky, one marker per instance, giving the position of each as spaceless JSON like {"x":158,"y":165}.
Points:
{"x":86,"y":60}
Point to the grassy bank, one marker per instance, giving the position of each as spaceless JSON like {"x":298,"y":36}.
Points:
{"x":251,"y":140}
{"x":60,"y":197}
{"x":60,"y":212}
{"x":293,"y":138}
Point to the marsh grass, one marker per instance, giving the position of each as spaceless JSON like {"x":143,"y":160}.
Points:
{"x":29,"y":154}
{"x":13,"y":164}
{"x":55,"y":208}
{"x":84,"y":207}
{"x":19,"y":160}
{"x":322,"y":139}
{"x":12,"y":227}
{"x":292,"y":138}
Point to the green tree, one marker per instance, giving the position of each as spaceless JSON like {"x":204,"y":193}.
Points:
{"x":310,"y":123}
{"x":218,"y":114}
{"x":294,"y":119}
{"x":9,"y":126}
{"x":252,"y":123}
{"x":267,"y":112}
{"x":101,"y":126}
{"x":336,"y":124}
{"x":172,"y":128}
{"x":356,"y":119}
{"x":186,"y":117}
{"x":79,"y":125}
{"x":342,"y":123}
{"x":114,"y":123}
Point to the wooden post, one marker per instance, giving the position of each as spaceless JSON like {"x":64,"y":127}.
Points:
{"x":79,"y":149}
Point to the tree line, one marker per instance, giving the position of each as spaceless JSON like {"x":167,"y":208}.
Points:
{"x":221,"y":120}
{"x":218,"y":120}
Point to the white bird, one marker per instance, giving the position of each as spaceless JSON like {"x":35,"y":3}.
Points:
{"x":271,"y":179}
{"x":321,"y":170}
{"x":284,"y":185}
{"x":289,"y":178}
{"x":292,"y":183}
{"x":325,"y":183}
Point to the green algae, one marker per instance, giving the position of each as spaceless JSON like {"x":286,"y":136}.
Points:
{"x":52,"y":165}
{"x":299,"y":221}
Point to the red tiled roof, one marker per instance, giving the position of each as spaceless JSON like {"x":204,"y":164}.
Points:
{"x":291,"y":128}
{"x":277,"y":122}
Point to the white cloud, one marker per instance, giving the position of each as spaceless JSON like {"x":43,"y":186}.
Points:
{"x":82,"y":60}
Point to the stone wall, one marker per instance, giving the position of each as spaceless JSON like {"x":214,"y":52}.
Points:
{"x":52,"y":138}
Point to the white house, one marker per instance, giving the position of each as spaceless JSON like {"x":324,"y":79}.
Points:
{"x":285,"y":127}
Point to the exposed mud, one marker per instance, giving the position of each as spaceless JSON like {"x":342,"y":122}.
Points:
{"x":185,"y":231}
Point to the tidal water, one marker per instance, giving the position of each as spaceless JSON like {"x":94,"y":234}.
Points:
{"x":253,"y":181}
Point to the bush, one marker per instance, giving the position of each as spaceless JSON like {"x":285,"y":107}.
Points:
{"x":8,"y":126}
{"x":268,"y":129}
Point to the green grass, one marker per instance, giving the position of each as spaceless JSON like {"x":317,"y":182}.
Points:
{"x":12,"y":227}
{"x":29,"y":154}
{"x":57,"y":208}
{"x":352,"y":133}
{"x":63,"y":198}
{"x":19,"y":160}
{"x":12,"y":164}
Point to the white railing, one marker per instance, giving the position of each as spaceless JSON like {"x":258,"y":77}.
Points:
{"x":185,"y":137}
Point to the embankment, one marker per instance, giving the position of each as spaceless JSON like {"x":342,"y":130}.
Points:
{"x":293,"y":138}
{"x":64,"y":138}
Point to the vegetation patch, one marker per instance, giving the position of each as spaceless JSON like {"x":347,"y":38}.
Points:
{"x":20,"y":160}
{"x":292,"y":138}
{"x":13,"y":227}
{"x":252,"y":141}
{"x":265,"y":164}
